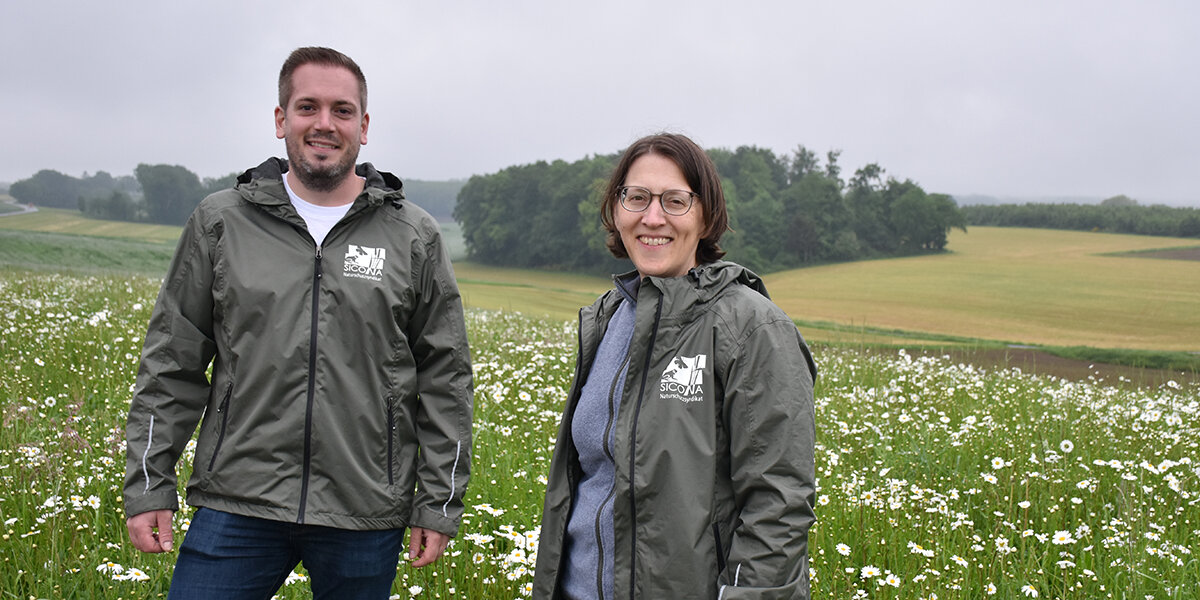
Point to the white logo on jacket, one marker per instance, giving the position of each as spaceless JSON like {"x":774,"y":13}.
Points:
{"x":364,"y":262}
{"x":683,"y":379}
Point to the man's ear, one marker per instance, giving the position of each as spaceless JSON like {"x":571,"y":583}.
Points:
{"x":280,"y":116}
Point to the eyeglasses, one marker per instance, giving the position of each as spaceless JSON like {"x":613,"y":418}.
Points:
{"x":673,"y":202}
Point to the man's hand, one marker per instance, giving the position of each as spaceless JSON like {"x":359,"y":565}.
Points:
{"x":151,"y":531}
{"x":425,"y":546}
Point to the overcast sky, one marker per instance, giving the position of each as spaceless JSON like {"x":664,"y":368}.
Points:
{"x":1013,"y":99}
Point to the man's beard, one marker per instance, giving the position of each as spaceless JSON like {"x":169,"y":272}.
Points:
{"x":321,"y":178}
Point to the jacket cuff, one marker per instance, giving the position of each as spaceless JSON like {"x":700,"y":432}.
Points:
{"x":431,"y":519}
{"x":136,"y":504}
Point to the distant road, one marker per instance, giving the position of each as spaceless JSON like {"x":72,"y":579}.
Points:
{"x":21,"y":209}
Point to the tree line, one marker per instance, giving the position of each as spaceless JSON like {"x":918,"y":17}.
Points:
{"x":168,"y":194}
{"x":1118,"y":214}
{"x":785,"y":212}
{"x":165,"y":194}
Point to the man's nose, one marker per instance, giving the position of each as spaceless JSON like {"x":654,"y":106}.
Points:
{"x":325,"y":119}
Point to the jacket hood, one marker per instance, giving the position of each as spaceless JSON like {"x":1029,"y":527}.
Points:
{"x":264,"y":184}
{"x":703,"y":282}
{"x":721,"y":274}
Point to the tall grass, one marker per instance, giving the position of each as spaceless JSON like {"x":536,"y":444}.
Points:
{"x":936,"y":479}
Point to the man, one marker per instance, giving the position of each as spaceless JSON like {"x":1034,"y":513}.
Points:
{"x":339,"y":407}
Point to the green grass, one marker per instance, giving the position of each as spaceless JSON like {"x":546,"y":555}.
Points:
{"x":73,"y":222}
{"x":82,"y":254}
{"x":929,"y":470}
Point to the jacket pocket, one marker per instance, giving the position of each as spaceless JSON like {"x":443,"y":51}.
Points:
{"x":223,"y":412}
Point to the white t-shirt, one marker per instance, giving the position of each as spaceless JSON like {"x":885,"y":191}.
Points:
{"x":319,"y":219}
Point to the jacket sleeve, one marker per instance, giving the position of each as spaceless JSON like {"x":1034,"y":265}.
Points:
{"x":172,"y":387}
{"x":770,"y":413}
{"x":444,"y":386}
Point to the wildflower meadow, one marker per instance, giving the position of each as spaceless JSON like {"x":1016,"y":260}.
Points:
{"x":936,"y":479}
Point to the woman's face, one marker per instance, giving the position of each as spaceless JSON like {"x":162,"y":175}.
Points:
{"x":659,"y":244}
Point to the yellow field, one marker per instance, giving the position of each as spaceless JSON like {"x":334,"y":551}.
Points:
{"x":57,"y":220}
{"x":556,"y":295}
{"x":1019,"y":285}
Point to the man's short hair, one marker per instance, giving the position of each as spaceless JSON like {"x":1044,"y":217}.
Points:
{"x":327,"y":57}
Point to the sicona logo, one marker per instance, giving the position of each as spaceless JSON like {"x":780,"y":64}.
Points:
{"x":364,"y":262}
{"x":683,"y":380}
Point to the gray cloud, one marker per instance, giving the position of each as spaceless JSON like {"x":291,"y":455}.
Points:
{"x":1022,"y":98}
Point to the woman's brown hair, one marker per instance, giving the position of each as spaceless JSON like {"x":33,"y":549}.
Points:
{"x":700,"y":174}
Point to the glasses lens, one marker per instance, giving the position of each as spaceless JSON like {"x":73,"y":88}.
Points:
{"x":676,"y":202}
{"x":635,"y":199}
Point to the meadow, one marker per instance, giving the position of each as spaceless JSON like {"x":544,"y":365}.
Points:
{"x":937,"y":479}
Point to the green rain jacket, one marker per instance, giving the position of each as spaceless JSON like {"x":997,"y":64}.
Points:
{"x":715,"y":479}
{"x":340,"y":390}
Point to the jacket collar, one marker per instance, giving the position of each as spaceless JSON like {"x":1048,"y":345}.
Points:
{"x":263,"y":185}
{"x":699,"y":285}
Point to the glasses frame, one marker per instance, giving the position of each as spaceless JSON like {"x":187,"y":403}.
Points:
{"x":623,"y":192}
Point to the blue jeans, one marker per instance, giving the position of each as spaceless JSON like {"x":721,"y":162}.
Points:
{"x":233,"y":557}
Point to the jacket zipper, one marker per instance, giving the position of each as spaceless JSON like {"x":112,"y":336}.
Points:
{"x":633,"y":453}
{"x":720,"y":549}
{"x":312,"y":385}
{"x":612,"y":392}
{"x":391,"y":433}
{"x":222,"y":410}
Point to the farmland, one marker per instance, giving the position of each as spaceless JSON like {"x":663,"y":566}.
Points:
{"x":998,"y":286}
{"x":936,"y":476}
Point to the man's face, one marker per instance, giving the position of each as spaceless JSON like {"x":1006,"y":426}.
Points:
{"x":322,"y":125}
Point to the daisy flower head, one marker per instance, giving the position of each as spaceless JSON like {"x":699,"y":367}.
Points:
{"x":1062,"y":538}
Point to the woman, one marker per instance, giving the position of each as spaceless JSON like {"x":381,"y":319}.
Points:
{"x":684,"y":464}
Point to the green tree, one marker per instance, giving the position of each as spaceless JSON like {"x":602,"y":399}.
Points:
{"x":753,"y":180}
{"x":867,"y":199}
{"x":802,"y":162}
{"x":117,"y":206}
{"x":171,"y":192}
{"x":48,"y":188}
{"x":817,"y":201}
{"x":1119,"y":200}
{"x":923,"y":221}
{"x":212,"y":185}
